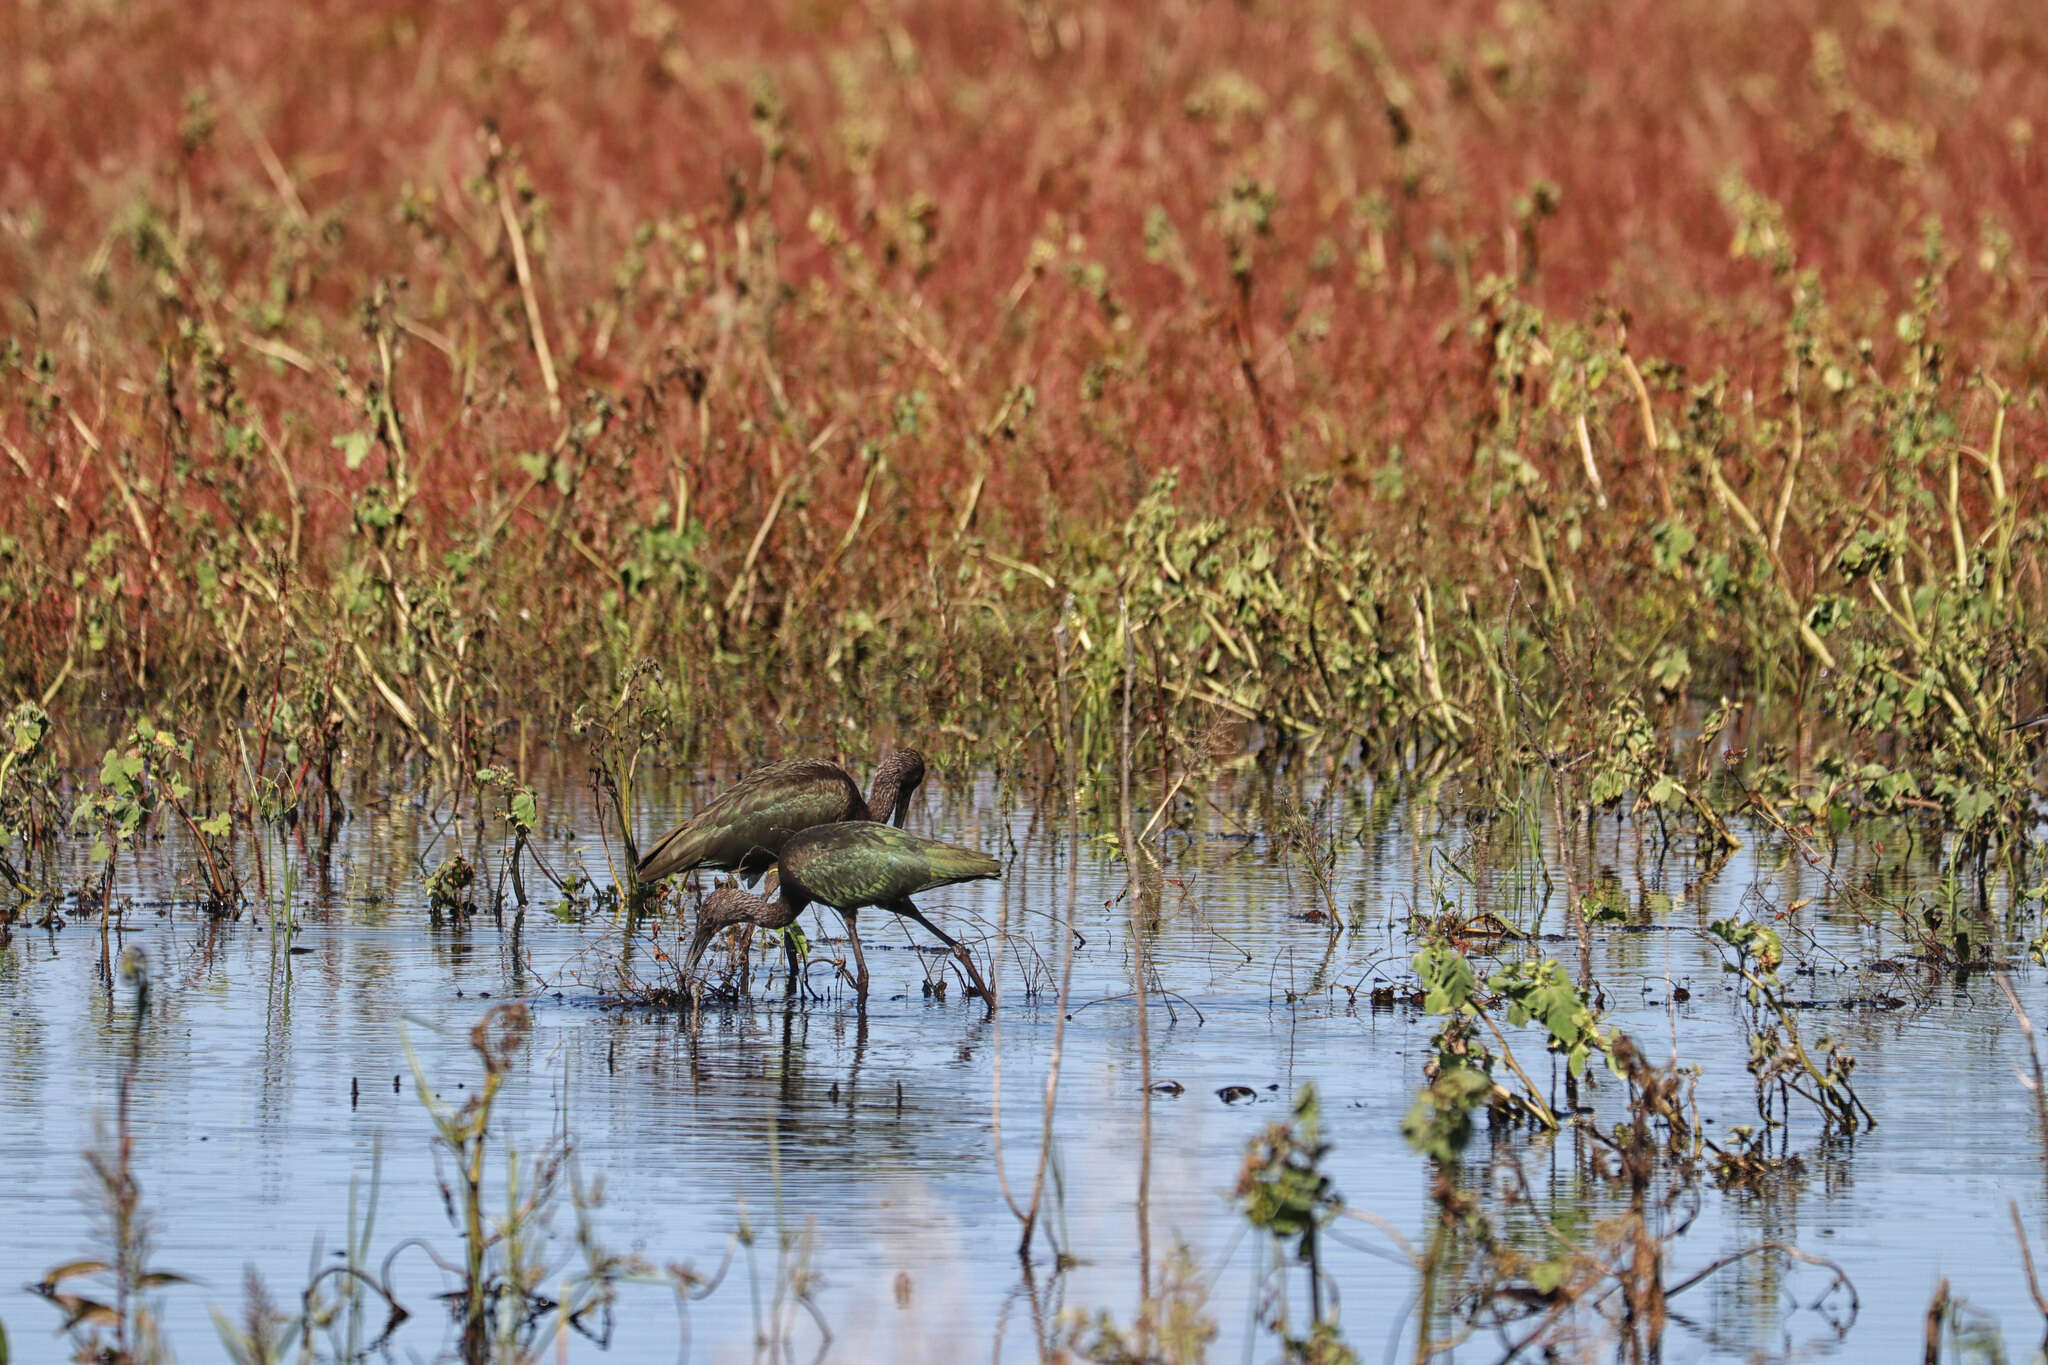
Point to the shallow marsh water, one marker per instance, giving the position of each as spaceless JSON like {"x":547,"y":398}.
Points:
{"x":271,"y":1079}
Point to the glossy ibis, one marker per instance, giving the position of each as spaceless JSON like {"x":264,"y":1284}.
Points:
{"x":746,"y":825}
{"x":850,"y":866}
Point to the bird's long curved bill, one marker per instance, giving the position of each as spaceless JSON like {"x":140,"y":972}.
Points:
{"x":2030,"y":723}
{"x":697,"y":946}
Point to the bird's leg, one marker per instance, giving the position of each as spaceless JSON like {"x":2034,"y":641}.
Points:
{"x":860,"y":962}
{"x":746,"y":958}
{"x":796,"y":967}
{"x":906,"y":909}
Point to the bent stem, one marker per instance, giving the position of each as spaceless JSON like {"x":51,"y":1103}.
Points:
{"x":1028,"y":1216}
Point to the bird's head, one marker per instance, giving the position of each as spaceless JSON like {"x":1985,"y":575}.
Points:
{"x":723,"y":908}
{"x":899,"y":777}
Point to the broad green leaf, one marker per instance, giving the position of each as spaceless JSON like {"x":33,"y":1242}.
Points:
{"x":354,"y":448}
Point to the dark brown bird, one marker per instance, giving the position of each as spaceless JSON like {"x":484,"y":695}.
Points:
{"x":728,"y":905}
{"x":850,"y":866}
{"x":746,"y":825}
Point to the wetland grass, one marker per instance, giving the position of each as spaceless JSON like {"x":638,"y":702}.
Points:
{"x":515,"y":1296}
{"x":445,"y":450}
{"x":1594,"y":452}
{"x":111,"y":1301}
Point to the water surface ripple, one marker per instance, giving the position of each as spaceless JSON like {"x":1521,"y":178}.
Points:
{"x":271,"y":1080}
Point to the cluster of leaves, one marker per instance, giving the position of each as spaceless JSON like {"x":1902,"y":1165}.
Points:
{"x":1630,"y":760}
{"x":1288,"y":1196}
{"x":1172,"y":1327}
{"x":1542,"y":1266}
{"x":1780,"y":1060}
{"x":1461,"y":1070}
{"x":118,"y":808}
{"x":28,"y":793}
{"x":147,"y":770}
{"x":448,"y":888}
{"x":1282,"y":1186}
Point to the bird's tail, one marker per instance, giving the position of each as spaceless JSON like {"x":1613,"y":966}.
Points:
{"x":681,"y":847}
{"x":951,"y":863}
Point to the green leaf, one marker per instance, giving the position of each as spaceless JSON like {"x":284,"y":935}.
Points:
{"x":216,"y":826}
{"x":119,"y":771}
{"x":1671,"y":542}
{"x":1666,"y":791}
{"x":795,"y":933}
{"x":354,"y":448}
{"x":1447,"y":980}
{"x":1671,"y":668}
{"x":524,"y":809}
{"x":1971,"y":806}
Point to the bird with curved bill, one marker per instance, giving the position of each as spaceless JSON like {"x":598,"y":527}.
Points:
{"x":851,"y":866}
{"x":743,"y":829}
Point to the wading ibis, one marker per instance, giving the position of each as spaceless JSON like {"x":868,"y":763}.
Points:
{"x":745,"y":826}
{"x":850,"y":866}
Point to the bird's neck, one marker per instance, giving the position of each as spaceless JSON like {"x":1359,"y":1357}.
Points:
{"x":882,"y":800}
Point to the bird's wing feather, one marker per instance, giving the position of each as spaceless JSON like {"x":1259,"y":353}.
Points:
{"x":864,"y":863}
{"x":749,"y":822}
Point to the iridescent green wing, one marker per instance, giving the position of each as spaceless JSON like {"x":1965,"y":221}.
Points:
{"x":756,"y":817}
{"x":863,"y":863}
{"x":748,"y":823}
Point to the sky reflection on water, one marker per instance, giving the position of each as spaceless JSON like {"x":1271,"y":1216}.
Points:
{"x":270,"y":1081}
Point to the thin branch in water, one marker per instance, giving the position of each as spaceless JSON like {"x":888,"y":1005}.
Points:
{"x":2037,"y":1086}
{"x":1137,"y":901}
